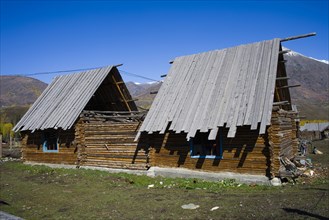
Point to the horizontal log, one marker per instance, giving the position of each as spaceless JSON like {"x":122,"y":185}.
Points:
{"x":298,"y":37}
{"x":116,"y":156}
{"x":282,"y":78}
{"x":284,"y":87}
{"x":284,"y":51}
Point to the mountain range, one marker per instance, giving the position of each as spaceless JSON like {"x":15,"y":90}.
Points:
{"x":311,"y":98}
{"x":19,"y":90}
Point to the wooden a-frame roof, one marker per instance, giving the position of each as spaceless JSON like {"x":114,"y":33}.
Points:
{"x":221,"y":88}
{"x":63,"y":100}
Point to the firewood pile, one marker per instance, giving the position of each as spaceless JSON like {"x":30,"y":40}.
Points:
{"x":282,"y":139}
{"x":113,"y":116}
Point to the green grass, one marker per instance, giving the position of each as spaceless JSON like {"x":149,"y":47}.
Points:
{"x":40,"y":192}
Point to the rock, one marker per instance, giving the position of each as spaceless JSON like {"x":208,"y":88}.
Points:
{"x":214,"y":208}
{"x":190,"y":206}
{"x":150,"y":186}
{"x":309,"y":173}
{"x":316,"y":151}
{"x":276,"y":182}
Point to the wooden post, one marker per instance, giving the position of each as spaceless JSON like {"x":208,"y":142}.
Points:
{"x":0,"y":145}
{"x":10,"y":142}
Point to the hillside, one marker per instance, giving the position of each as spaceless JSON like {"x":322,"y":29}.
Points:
{"x":19,"y":90}
{"x":312,"y":97}
{"x":142,"y":92}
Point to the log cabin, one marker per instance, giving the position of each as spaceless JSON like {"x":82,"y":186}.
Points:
{"x":86,"y":118}
{"x":225,"y":110}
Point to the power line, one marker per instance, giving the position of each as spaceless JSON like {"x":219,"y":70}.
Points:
{"x":136,"y":75}
{"x":59,"y":71}
{"x":83,"y":69}
{"x":53,"y":72}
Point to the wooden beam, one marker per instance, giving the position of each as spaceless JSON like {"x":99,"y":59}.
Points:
{"x":284,"y":87}
{"x":163,"y":75}
{"x":122,"y":96}
{"x":130,"y":100}
{"x":298,"y":37}
{"x":119,"y":65}
{"x":145,"y":109}
{"x":109,"y":112}
{"x":282,"y":78}
{"x":284,"y":51}
{"x":114,"y":116}
{"x":281,"y":103}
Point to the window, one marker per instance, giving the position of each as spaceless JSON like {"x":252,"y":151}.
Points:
{"x":201,"y":147}
{"x":50,"y":141}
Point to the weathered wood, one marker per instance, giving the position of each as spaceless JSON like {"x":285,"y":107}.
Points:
{"x":32,"y":149}
{"x":281,"y":103}
{"x":284,"y":87}
{"x":298,"y":37}
{"x":121,"y":93}
{"x":284,"y":51}
{"x":0,"y":145}
{"x":112,"y":145}
{"x":110,"y":112}
{"x":282,"y":138}
{"x":282,"y":78}
{"x":247,"y":153}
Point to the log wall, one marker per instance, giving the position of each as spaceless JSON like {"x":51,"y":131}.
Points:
{"x":110,"y":144}
{"x":246,"y":153}
{"x":283,"y":138}
{"x":32,"y":148}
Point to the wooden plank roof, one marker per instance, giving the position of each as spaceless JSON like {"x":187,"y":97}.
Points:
{"x":63,"y":100}
{"x":230,"y":87}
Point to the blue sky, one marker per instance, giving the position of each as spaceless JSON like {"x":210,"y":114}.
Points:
{"x":46,"y":36}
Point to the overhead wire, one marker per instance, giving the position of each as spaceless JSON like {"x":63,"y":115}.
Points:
{"x":124,"y":72}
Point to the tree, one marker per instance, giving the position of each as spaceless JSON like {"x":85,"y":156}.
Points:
{"x":6,"y":130}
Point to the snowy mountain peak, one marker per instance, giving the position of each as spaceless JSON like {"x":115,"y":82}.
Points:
{"x":148,"y":83}
{"x":323,"y":61}
{"x":293,"y":54}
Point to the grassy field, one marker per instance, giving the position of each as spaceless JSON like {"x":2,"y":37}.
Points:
{"x":39,"y":192}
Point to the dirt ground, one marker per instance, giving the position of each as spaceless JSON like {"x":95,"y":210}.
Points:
{"x":39,"y":192}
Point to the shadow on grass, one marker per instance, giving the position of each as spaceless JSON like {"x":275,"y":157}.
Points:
{"x":317,"y":189}
{"x":3,"y":203}
{"x":301,"y":212}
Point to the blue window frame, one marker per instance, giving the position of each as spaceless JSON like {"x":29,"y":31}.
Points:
{"x":50,"y":141}
{"x":201,"y":147}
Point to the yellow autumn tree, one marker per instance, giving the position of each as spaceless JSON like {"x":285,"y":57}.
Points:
{"x":6,"y":130}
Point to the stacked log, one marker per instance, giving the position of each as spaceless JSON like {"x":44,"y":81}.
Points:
{"x":108,"y":141}
{"x":248,"y":152}
{"x":282,"y":138}
{"x":32,"y":149}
